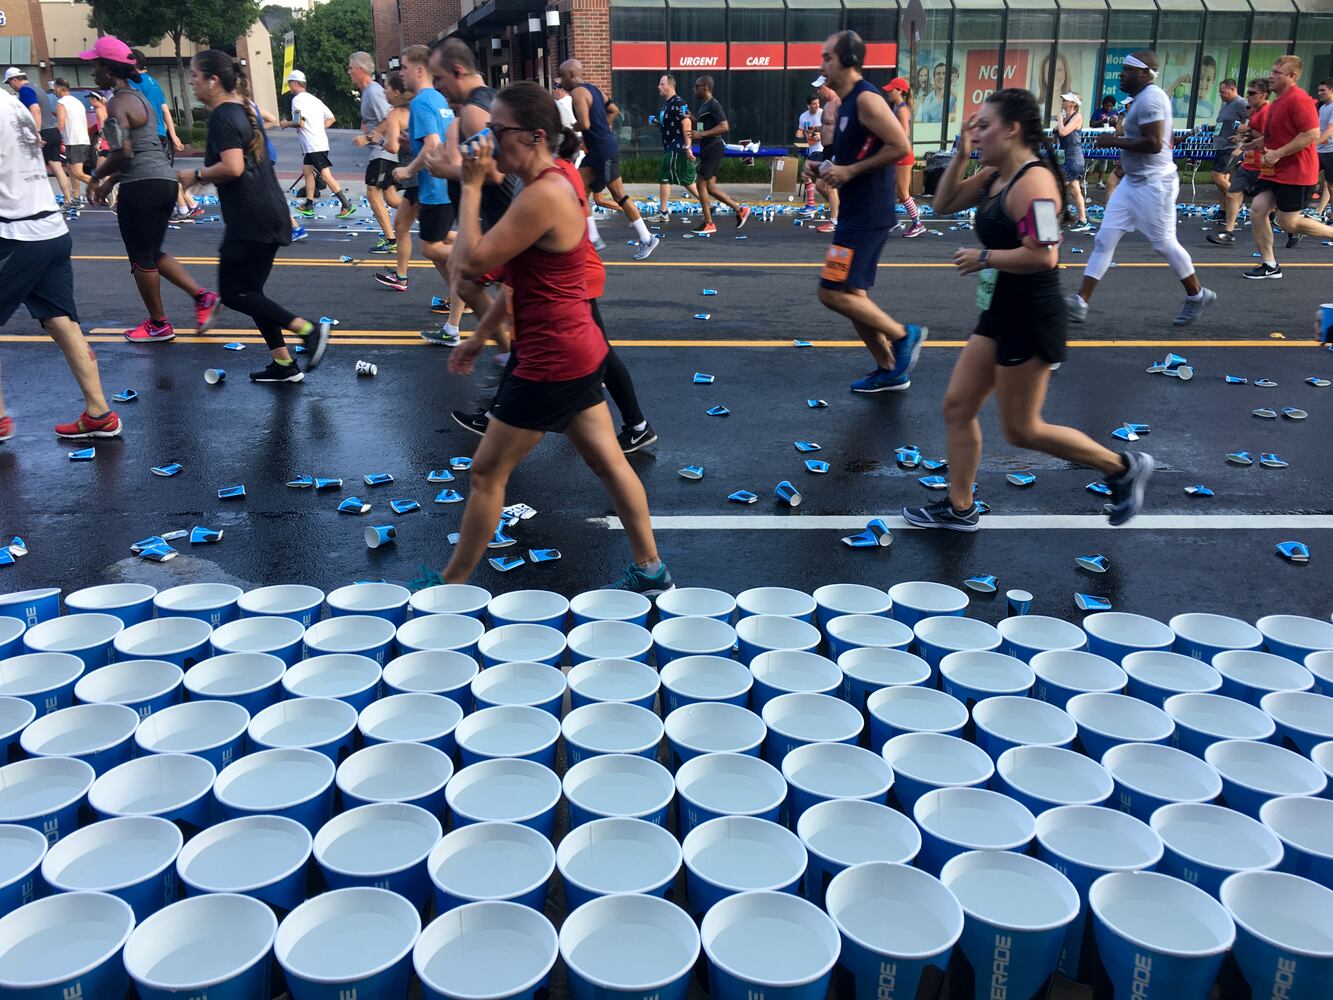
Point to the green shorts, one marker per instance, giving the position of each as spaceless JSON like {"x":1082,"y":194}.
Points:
{"x":677,"y":168}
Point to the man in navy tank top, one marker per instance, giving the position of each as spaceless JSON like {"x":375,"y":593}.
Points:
{"x":859,"y":160}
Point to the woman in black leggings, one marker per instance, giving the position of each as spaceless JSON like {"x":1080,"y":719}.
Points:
{"x":254,"y":213}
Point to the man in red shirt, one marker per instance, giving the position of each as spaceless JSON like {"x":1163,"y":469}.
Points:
{"x":1288,"y":167}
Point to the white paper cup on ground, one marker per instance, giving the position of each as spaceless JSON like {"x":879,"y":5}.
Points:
{"x":451,"y":599}
{"x":525,"y":642}
{"x":728,"y":784}
{"x":538,"y":607}
{"x":499,"y":861}
{"x":1107,"y":720}
{"x":1148,"y":776}
{"x":323,"y":724}
{"x":384,"y":845}
{"x":1115,"y":634}
{"x":867,"y":669}
{"x":771,"y":944}
{"x":380,"y":600}
{"x":508,"y":731}
{"x":251,"y":680}
{"x":362,"y":635}
{"x":794,"y":720}
{"x":835,"y":599}
{"x":486,"y":951}
{"x":1249,"y":674}
{"x":613,"y":680}
{"x":610,"y":606}
{"x":88,"y":636}
{"x":975,"y":675}
{"x":175,"y":786}
{"x":940,"y":635}
{"x":915,"y":600}
{"x":273,"y":634}
{"x":213,"y":730}
{"x":433,"y":671}
{"x":132,"y":603}
{"x":1025,"y":636}
{"x":611,"y":727}
{"x":45,"y":793}
{"x":703,"y":602}
{"x":615,"y":785}
{"x":1305,"y":827}
{"x":535,"y":684}
{"x":11,"y":636}
{"x":818,"y":772}
{"x":505,"y":790}
{"x":396,"y":772}
{"x":781,"y":601}
{"x":956,"y":820}
{"x":15,"y":716}
{"x":46,"y":681}
{"x":600,"y":640}
{"x":348,"y":943}
{"x":611,"y":856}
{"x":1304,"y":719}
{"x":1207,"y":843}
{"x":686,"y":636}
{"x":1295,"y":637}
{"x":102,"y":735}
{"x":1005,"y":722}
{"x":628,"y":946}
{"x":759,"y":634}
{"x":459,"y":633}
{"x":841,"y":833}
{"x":288,"y":600}
{"x":922,"y":762}
{"x":130,"y":857}
{"x":1252,"y":773}
{"x":1156,"y":675}
{"x":1322,"y":755}
{"x":22,"y":850}
{"x":847,"y":632}
{"x":182,"y":641}
{"x":67,"y":945}
{"x":1320,"y":665}
{"x":712,"y":727}
{"x":1042,"y":778}
{"x":693,"y":679}
{"x":733,"y":854}
{"x":1283,"y":945}
{"x":260,"y":856}
{"x":1204,"y":719}
{"x":147,"y":686}
{"x":786,"y":671}
{"x":431,"y":719}
{"x":1063,"y":673}
{"x":1203,"y":636}
{"x":291,"y":782}
{"x":898,"y":710}
{"x":350,"y":677}
{"x":215,"y":603}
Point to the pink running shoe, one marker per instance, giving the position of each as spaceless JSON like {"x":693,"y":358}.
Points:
{"x":149,"y":332}
{"x":207,"y":305}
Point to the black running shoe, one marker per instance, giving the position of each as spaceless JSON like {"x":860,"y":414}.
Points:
{"x":1294,"y":240}
{"x":1127,"y":489}
{"x":1222,"y":239}
{"x":279,"y":373}
{"x":941,"y":514}
{"x":632,"y":440}
{"x":475,"y":422}
{"x":1262,"y":270}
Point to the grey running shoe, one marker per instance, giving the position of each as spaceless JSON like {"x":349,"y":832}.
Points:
{"x":440,"y":338}
{"x":1222,"y":239}
{"x":1192,"y":309}
{"x":941,"y":514}
{"x":1127,"y":489}
{"x":645,"y":249}
{"x":1078,"y":309}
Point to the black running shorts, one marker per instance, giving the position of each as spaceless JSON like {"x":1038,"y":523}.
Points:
{"x":545,"y":406}
{"x":37,"y":274}
{"x":434,"y":222}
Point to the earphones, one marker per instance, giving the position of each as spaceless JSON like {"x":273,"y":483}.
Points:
{"x":850,"y":50}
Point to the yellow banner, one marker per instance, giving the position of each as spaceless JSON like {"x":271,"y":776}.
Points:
{"x":288,"y":58}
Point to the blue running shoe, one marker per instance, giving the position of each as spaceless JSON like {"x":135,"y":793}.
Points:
{"x":881,"y":380}
{"x":907,"y":350}
{"x":299,"y":234}
{"x":1127,"y":489}
{"x":633,"y":578}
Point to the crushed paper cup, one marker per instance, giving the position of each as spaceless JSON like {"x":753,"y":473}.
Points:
{"x":1101,"y":488}
{"x":377,"y":478}
{"x":215,"y":376}
{"x":300,"y":482}
{"x":200,"y":535}
{"x":1297,"y":552}
{"x":982,"y":584}
{"x":328,"y":484}
{"x":353,"y":505}
{"x":1020,"y":479}
{"x":806,"y":446}
{"x":503,"y":564}
{"x":692,"y":472}
{"x":460,"y":464}
{"x":166,"y":471}
{"x":448,"y":496}
{"x":1093,"y":564}
{"x":231,"y":493}
{"x":718,"y":411}
{"x":816,"y":404}
{"x":125,"y":396}
{"x":235,"y":345}
{"x":816,"y":466}
{"x":1088,"y":602}
{"x":934,"y":482}
{"x":743,"y":496}
{"x":701,"y":378}
{"x":788,"y":494}
{"x":439,"y":476}
{"x":404,"y":506}
{"x":83,"y":455}
{"x":366,"y":368}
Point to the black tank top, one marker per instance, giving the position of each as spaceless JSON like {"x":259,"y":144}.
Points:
{"x":999,"y":232}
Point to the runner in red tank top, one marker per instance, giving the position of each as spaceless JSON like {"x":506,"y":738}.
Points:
{"x":553,"y":381}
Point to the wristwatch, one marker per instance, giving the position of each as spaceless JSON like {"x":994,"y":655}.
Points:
{"x":197,"y":178}
{"x":984,"y":259}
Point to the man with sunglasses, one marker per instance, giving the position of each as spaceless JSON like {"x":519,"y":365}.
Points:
{"x":1240,"y":184}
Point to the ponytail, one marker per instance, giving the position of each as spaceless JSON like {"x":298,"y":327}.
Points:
{"x":568,"y":147}
{"x":1017,"y":106}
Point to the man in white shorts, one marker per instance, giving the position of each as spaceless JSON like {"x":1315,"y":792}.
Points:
{"x":1146,"y":200}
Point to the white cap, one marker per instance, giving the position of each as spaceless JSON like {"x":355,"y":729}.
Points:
{"x":1072,"y":98}
{"x":819,"y":81}
{"x":296,"y":76}
{"x":14,"y":71}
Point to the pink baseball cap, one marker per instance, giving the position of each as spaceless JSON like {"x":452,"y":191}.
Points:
{"x":110,"y":48}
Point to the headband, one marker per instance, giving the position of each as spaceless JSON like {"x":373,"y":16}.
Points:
{"x":1138,"y":63}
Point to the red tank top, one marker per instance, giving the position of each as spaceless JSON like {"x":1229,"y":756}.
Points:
{"x":596,"y":269}
{"x":555,"y":338}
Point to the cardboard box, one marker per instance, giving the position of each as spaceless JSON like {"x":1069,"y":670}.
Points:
{"x":786,"y":175}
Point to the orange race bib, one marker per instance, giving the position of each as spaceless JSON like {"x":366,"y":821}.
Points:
{"x":838,"y":264}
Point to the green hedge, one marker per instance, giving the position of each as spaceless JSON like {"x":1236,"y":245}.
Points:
{"x":199,"y":134}
{"x":645,"y":170}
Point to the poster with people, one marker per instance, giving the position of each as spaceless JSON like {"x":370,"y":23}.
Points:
{"x":935,"y":88}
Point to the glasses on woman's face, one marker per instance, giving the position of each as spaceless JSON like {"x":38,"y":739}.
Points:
{"x":499,"y":130}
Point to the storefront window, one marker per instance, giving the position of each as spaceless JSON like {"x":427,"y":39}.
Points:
{"x":1223,"y":45}
{"x":1128,"y":31}
{"x":699,"y":21}
{"x":927,"y":70}
{"x":1314,"y":44}
{"x":877,"y":23}
{"x":638,"y":57}
{"x":1271,"y":38}
{"x":1082,"y":35}
{"x":1178,"y":34}
{"x":1028,"y":59}
{"x":638,"y":21}
{"x":975,"y":67}
{"x":809,"y":23}
{"x":755,"y":99}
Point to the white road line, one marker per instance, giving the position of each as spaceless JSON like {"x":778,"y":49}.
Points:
{"x":989,"y":522}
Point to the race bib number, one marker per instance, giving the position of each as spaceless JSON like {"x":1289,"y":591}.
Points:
{"x":838,"y":264}
{"x":986,"y":288}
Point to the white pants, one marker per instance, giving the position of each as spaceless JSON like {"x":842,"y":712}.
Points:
{"x":1147,"y":207}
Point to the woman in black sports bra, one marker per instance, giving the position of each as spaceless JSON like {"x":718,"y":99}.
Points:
{"x":1021,"y":331}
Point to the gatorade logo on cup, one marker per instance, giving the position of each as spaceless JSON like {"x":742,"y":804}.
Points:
{"x":999,"y":970}
{"x":1142,"y":976}
{"x":888,"y":977}
{"x":1286,"y":975}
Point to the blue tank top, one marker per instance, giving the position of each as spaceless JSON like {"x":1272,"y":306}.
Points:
{"x":598,"y":137}
{"x":867,"y":199}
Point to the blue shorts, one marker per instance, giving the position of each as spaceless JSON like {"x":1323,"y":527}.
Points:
{"x":865,"y":245}
{"x":1074,"y":170}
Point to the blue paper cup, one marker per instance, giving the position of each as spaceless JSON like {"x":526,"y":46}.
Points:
{"x":46,"y":681}
{"x":1295,"y":637}
{"x":272,"y":634}
{"x":682,"y":602}
{"x":608,"y":857}
{"x":353,"y":678}
{"x":360,"y":635}
{"x":396,"y":772}
{"x":1108,"y":720}
{"x":433,"y":671}
{"x":535,"y":607}
{"x":1115,"y":634}
{"x":728,"y":784}
{"x":1277,"y":955}
{"x":379,"y":600}
{"x":923,"y":762}
{"x":940,"y":635}
{"x":975,"y":675}
{"x":1320,"y":665}
{"x":1043,"y":778}
{"x":1083,"y":843}
{"x":898,"y":710}
{"x":835,"y":599}
{"x":780,"y":601}
{"x":102,"y":735}
{"x":1207,"y":843}
{"x":713,"y":727}
{"x":1204,"y":719}
{"x":67,"y":945}
{"x":293,"y":783}
{"x":491,"y":861}
{"x":691,"y":635}
{"x":1252,"y":773}
{"x":1148,"y":776}
{"x":32,"y":607}
{"x":215,"y":603}
{"x":1017,"y":932}
{"x":867,"y":669}
{"x":610,"y":606}
{"x":87,"y":636}
{"x":613,"y":785}
{"x":132,"y":603}
{"x":847,"y":632}
{"x":11,"y":637}
{"x":130,"y":857}
{"x":1203,"y":636}
{"x":174,"y":786}
{"x":1061,"y":674}
{"x":1322,"y":755}
{"x":216,"y":945}
{"x":898,"y":927}
{"x":1304,"y":720}
{"x":1005,"y":722}
{"x":523,"y":642}
{"x":147,"y":686}
{"x":735,"y":854}
{"x":265,"y":857}
{"x":769,"y":944}
{"x":1158,"y":936}
{"x":916,"y":600}
{"x":1156,"y":675}
{"x":818,"y":772}
{"x":693,"y":679}
{"x":1024,"y":636}
{"x":795,"y":720}
{"x":213,"y":730}
{"x":325,"y":955}
{"x":182,"y":641}
{"x":613,"y":680}
{"x":45,"y":794}
{"x":518,"y":732}
{"x":954,"y":821}
{"x":785,"y":671}
{"x":384,"y":845}
{"x":288,"y":600}
{"x":15,"y":715}
{"x":1248,"y":674}
{"x":611,"y":727}
{"x":1305,"y":827}
{"x":759,"y":634}
{"x":609,"y":640}
{"x":841,"y":833}
{"x":323,"y":724}
{"x":430,"y":719}
{"x":250,"y":680}
{"x":21,"y":852}
{"x":451,"y":599}
{"x":457,"y":952}
{"x":629,"y":947}
{"x":505,"y":790}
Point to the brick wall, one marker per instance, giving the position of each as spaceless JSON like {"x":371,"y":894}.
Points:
{"x":422,"y":21}
{"x":590,"y":38}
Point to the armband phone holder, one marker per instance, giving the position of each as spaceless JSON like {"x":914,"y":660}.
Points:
{"x":1042,"y":223}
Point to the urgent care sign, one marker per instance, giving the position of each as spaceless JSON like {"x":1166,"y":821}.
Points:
{"x":703,"y":56}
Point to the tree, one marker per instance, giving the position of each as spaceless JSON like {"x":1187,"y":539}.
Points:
{"x":325,"y":37}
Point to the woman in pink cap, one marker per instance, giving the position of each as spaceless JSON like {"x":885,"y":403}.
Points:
{"x":147,"y":196}
{"x":899,"y":93}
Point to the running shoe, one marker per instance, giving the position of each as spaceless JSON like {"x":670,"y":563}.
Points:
{"x":809,"y":212}
{"x":392,"y":279}
{"x":646,"y":249}
{"x":347,"y":211}
{"x":7,"y":430}
{"x":706,"y":229}
{"x":826,"y":227}
{"x":196,"y":212}
{"x":207,"y":305}
{"x":881,"y":380}
{"x":279,"y":373}
{"x":72,"y":213}
{"x":384,"y":246}
{"x":1222,"y":239}
{"x":305,"y":211}
{"x":1127,"y":489}
{"x":1076,"y":308}
{"x":1192,"y":309}
{"x":149,"y":332}
{"x":439,"y":306}
{"x":632,"y":440}
{"x":742,"y":216}
{"x":1261,"y":271}
{"x":317,"y":342}
{"x":942,"y":514}
{"x":1293,"y":239}
{"x":299,"y":234}
{"x":897,"y":226}
{"x":914,"y":230}
{"x":440,"y":338}
{"x":475,"y":422}
{"x":636,"y":580}
{"x":85,"y":426}
{"x":1082,"y":227}
{"x":183,"y":218}
{"x":907,"y":352}
{"x":660,"y":219}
